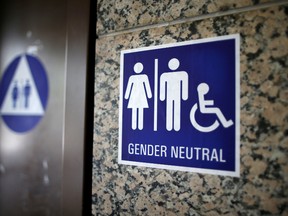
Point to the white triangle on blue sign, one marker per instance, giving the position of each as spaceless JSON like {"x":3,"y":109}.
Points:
{"x":22,"y":97}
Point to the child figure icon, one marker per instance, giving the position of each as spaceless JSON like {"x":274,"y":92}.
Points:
{"x":206,"y":107}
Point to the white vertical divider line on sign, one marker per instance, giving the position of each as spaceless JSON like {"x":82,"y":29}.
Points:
{"x":155,"y":94}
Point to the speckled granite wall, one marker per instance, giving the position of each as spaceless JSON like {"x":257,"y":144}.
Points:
{"x":262,"y":188}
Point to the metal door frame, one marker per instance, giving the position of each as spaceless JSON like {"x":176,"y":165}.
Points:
{"x":79,"y":108}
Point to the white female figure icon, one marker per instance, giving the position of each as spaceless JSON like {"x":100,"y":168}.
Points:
{"x":137,"y":91}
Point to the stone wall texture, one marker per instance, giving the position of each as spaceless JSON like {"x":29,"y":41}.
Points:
{"x":262,"y":188}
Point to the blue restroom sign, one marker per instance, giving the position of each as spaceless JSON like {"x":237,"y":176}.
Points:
{"x":23,"y":93}
{"x":179,"y":106}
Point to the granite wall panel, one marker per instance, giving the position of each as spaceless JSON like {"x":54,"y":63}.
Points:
{"x":262,"y":188}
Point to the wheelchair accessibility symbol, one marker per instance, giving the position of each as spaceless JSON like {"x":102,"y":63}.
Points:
{"x":206,"y":107}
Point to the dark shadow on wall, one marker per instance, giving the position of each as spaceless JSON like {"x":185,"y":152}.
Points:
{"x":89,"y":110}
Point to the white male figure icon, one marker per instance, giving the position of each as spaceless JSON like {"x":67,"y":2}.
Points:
{"x":137,"y":95}
{"x":173,"y":88}
{"x":203,"y":89}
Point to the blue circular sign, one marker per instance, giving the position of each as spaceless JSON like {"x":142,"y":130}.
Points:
{"x":24,"y":93}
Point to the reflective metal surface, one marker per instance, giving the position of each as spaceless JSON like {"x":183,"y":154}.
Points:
{"x":42,"y":169}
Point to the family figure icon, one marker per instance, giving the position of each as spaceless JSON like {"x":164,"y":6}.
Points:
{"x":173,"y":89}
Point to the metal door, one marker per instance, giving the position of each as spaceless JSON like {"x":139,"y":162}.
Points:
{"x":41,"y":168}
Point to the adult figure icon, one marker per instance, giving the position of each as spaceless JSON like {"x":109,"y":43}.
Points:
{"x":173,"y":89}
{"x":137,"y":91}
{"x":15,"y":94}
{"x":27,"y":91}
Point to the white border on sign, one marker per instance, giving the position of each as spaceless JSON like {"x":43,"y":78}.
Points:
{"x":235,"y":173}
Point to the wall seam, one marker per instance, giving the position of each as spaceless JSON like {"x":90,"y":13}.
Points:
{"x":195,"y":18}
